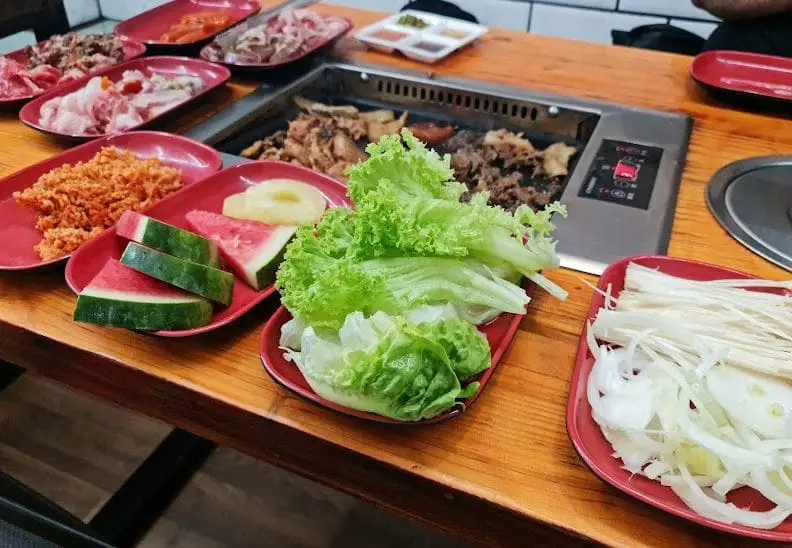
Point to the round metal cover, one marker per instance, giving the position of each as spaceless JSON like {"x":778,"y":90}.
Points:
{"x":752,"y":200}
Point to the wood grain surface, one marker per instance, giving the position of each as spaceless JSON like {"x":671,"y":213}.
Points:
{"x":503,"y":474}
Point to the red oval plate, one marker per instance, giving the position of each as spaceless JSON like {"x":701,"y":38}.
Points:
{"x":207,"y":195}
{"x":595,"y":450}
{"x":132,"y":50}
{"x":744,"y":73}
{"x":18,"y":224}
{"x":326,"y":45}
{"x":499,"y":333}
{"x":150,"y":25}
{"x":213,"y":76}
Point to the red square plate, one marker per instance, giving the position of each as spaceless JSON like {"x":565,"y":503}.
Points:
{"x":207,"y":195}
{"x":18,"y":230}
{"x":150,"y":25}
{"x":212,"y":75}
{"x":595,"y":450}
{"x":132,"y":50}
{"x":499,"y":333}
{"x":744,"y":74}
{"x":207,"y":51}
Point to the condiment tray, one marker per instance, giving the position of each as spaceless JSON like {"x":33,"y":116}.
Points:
{"x":428,"y":39}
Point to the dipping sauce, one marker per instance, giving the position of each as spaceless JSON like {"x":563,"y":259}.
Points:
{"x":413,"y":21}
{"x":388,"y":35}
{"x":432,"y":47}
{"x":455,"y":34}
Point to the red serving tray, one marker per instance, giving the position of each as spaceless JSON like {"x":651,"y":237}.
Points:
{"x":207,"y":195}
{"x":213,"y":76}
{"x":595,"y":450}
{"x":742,"y":73}
{"x":132,"y":50}
{"x":150,"y":25}
{"x":18,"y":224}
{"x":499,"y":333}
{"x":321,"y":46}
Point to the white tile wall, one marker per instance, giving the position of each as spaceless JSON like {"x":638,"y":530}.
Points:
{"x":17,"y":41}
{"x":497,"y":13}
{"x":81,"y":11}
{"x":124,"y":9}
{"x":602,"y":4}
{"x":375,"y":5}
{"x":674,"y":8}
{"x":582,"y":24}
{"x":696,"y":27}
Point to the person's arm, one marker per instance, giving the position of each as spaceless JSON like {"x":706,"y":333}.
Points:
{"x":740,"y":9}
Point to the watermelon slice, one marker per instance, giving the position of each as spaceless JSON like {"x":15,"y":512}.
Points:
{"x":252,"y":250}
{"x":212,"y":283}
{"x":168,"y":239}
{"x":122,"y":297}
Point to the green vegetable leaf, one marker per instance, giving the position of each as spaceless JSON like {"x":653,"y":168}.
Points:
{"x":407,"y":204}
{"x":381,"y":365}
{"x":467,"y":349}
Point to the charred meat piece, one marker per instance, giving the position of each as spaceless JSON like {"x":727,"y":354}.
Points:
{"x":512,"y":148}
{"x":377,"y":130}
{"x":345,"y":149}
{"x":556,"y":159}
{"x":356,"y":128}
{"x":314,"y":107}
{"x":431,"y":134}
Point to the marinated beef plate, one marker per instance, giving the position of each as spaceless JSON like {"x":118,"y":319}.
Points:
{"x":331,"y":138}
{"x":289,"y":34}
{"x":60,"y":59}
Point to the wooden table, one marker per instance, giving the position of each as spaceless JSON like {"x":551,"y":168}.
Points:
{"x":505,"y":473}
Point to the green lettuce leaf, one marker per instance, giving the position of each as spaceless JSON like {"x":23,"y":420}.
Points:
{"x":382,"y":364}
{"x":407,"y":204}
{"x":322,"y":287}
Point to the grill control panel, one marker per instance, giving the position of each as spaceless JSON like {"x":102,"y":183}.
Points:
{"x":623,"y":173}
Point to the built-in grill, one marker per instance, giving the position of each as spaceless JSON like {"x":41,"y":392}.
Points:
{"x":622,"y":186}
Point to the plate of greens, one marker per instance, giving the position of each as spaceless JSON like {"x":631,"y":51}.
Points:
{"x":398,"y":309}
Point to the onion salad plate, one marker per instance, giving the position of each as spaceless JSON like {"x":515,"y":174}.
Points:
{"x":207,"y":195}
{"x":18,"y":230}
{"x":597,"y":452}
{"x":132,"y":50}
{"x":149,"y":26}
{"x":499,"y":333}
{"x":212,"y":76}
{"x":316,"y":49}
{"x":744,"y":75}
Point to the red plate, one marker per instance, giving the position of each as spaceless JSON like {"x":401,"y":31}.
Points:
{"x":212,"y":75}
{"x":207,"y":195}
{"x":597,"y":452}
{"x":150,"y":25}
{"x":743,"y":73}
{"x":321,"y":46}
{"x":499,"y":333}
{"x":132,"y":50}
{"x":18,"y":224}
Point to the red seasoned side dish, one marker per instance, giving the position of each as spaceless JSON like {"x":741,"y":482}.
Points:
{"x":197,"y":26}
{"x":74,"y":203}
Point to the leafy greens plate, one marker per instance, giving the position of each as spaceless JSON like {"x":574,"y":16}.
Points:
{"x":499,"y":333}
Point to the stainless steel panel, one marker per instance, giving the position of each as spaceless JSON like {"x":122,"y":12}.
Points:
{"x":752,"y":200}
